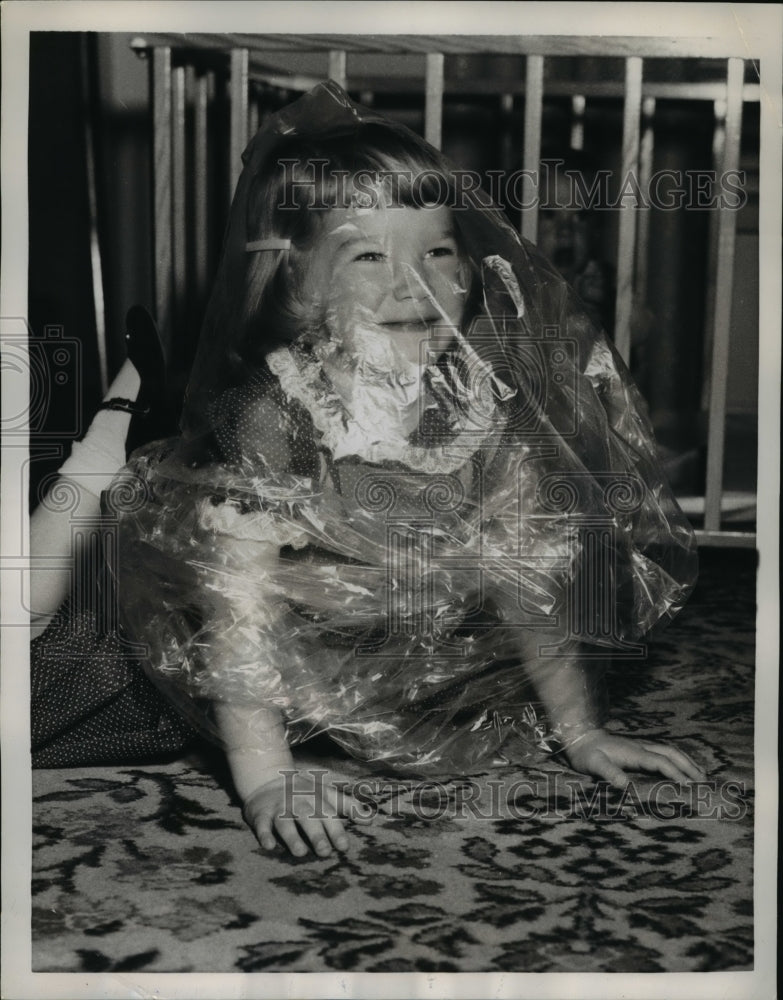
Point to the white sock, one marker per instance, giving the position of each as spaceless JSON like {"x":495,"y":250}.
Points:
{"x":95,"y":460}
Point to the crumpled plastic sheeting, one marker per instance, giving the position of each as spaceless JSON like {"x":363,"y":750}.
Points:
{"x":377,"y":586}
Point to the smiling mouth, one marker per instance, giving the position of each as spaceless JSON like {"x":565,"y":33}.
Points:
{"x":413,"y":324}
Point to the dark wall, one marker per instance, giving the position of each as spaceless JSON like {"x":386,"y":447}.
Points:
{"x":60,"y":291}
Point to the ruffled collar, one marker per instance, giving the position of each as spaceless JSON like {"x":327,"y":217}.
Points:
{"x":464,"y":384}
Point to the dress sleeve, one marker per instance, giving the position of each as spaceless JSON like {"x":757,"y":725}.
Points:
{"x":260,"y":431}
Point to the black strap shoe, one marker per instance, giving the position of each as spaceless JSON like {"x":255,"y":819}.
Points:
{"x":153,"y":415}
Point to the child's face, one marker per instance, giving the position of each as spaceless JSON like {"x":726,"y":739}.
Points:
{"x":395,"y":273}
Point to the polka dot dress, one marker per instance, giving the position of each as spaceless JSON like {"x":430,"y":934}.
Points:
{"x":91,"y":702}
{"x":258,"y":428}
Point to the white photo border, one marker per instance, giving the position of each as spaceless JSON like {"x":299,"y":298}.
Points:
{"x":761,"y":25}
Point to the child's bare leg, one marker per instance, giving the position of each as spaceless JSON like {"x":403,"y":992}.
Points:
{"x":90,"y":469}
{"x":563,"y":684}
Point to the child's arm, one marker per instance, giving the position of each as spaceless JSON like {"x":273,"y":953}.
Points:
{"x":276,"y":796}
{"x":563,"y":685}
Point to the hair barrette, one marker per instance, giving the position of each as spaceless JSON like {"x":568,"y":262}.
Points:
{"x":270,"y":244}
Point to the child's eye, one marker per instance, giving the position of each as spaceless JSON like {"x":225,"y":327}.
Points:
{"x":444,"y":251}
{"x":371,"y":255}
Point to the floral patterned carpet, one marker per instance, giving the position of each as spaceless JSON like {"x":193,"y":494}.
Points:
{"x":536,"y":870}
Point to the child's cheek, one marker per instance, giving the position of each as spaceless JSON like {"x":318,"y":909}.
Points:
{"x":356,"y":298}
{"x":450,"y":292}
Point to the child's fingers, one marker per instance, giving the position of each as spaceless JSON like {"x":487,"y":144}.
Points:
{"x":289,"y":834}
{"x":336,"y":833}
{"x":320,"y":833}
{"x":602,"y":767}
{"x":687,"y":764}
{"x":658,"y":763}
{"x":260,"y":822}
{"x":314,"y":830}
{"x":262,"y":827}
{"x":266,"y":839}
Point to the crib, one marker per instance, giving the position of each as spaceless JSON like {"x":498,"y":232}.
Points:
{"x":208,"y":94}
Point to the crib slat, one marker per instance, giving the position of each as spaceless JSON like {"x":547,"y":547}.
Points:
{"x":645,"y":174}
{"x":161,"y":91}
{"x":178,"y":242}
{"x":722,"y":311}
{"x":507,"y":137}
{"x":727,"y":539}
{"x":338,"y":67}
{"x":238,"y":125}
{"x":200,"y":187}
{"x":433,"y":99}
{"x":718,"y":150}
{"x":578,"y":104}
{"x":627,"y":235}
{"x":96,"y":267}
{"x":531,"y":156}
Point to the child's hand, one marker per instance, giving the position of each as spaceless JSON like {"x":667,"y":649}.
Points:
{"x":303,"y":808}
{"x":604,"y":756}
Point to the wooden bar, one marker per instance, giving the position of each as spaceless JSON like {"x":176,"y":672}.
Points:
{"x":161,"y":126}
{"x":238,"y":85}
{"x":433,"y":98}
{"x":695,"y":47}
{"x":200,"y":168}
{"x":485,"y":86}
{"x":726,"y":539}
{"x":531,"y":155}
{"x":645,"y":173}
{"x":96,"y":267}
{"x":338,"y":67}
{"x":718,"y":149}
{"x":178,"y":181}
{"x":578,"y":104}
{"x":260,"y":70}
{"x":481,"y":87}
{"x":627,"y":237}
{"x":508,"y":145}
{"x":723,"y":298}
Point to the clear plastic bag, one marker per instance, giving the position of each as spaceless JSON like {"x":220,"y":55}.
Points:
{"x":401,"y":463}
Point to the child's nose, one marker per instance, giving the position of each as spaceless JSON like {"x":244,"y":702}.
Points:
{"x":408,"y":282}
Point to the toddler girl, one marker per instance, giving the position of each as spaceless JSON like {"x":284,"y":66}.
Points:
{"x":416,"y":500}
